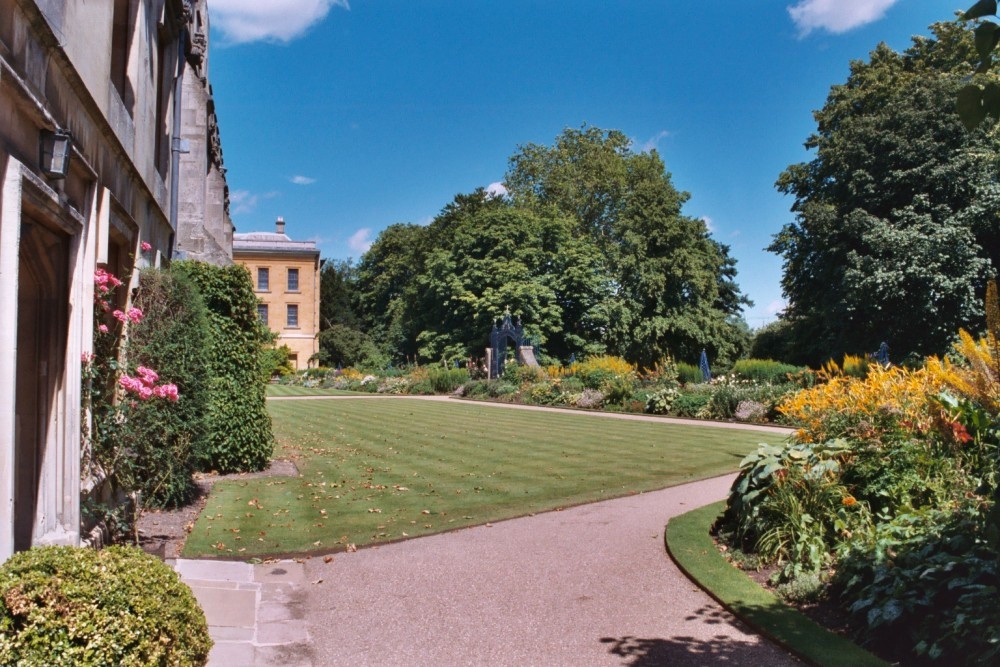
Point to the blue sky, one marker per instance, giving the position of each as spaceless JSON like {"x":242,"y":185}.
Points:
{"x":346,"y":117}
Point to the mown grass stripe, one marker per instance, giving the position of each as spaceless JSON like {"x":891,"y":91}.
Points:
{"x":457,"y":464}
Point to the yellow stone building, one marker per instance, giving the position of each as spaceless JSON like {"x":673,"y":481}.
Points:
{"x":286,"y":278}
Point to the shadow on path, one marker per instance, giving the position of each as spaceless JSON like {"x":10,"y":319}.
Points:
{"x":677,"y":651}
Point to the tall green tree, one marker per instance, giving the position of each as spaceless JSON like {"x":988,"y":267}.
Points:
{"x":338,"y":281}
{"x":673,"y":285}
{"x":896,"y":215}
{"x":387,"y":288}
{"x":488,"y":255}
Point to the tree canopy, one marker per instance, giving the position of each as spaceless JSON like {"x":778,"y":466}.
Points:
{"x":896,"y":215}
{"x":590,"y":248}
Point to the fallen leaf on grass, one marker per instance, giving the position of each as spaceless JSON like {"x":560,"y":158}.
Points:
{"x":351,"y":548}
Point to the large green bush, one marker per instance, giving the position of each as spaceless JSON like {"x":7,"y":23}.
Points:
{"x":82,"y":607}
{"x":166,"y":438}
{"x":239,"y":435}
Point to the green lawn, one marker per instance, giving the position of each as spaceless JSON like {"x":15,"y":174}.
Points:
{"x":382,"y":470}
{"x":293,"y":390}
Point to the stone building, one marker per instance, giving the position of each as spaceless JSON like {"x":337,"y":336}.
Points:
{"x":286,"y":277}
{"x":89,"y":123}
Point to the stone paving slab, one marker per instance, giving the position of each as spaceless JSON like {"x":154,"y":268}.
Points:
{"x":253,"y":611}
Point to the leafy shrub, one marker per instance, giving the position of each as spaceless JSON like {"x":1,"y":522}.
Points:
{"x":977,"y":375}
{"x":728,"y":393}
{"x":168,"y":439}
{"x":545,"y":393}
{"x":750,"y":411}
{"x":764,"y":370}
{"x":589,"y":399}
{"x":476,"y":389}
{"x":923,"y":588}
{"x":809,"y":587}
{"x":239,"y":435}
{"x":522,"y":374}
{"x":789,"y":504}
{"x":500,"y":389}
{"x":689,"y":373}
{"x":119,"y":606}
{"x":421,"y":388}
{"x":853,"y":367}
{"x":446,"y":380}
{"x":906,"y":476}
{"x":618,"y":389}
{"x":597,"y":372}
{"x":888,"y":404}
{"x":274,"y":362}
{"x":394,"y":385}
{"x":571,"y":385}
{"x":660,"y":402}
{"x":691,"y":402}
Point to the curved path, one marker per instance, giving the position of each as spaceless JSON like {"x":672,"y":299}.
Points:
{"x":590,"y":585}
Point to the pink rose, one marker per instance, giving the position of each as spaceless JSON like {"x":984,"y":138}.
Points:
{"x":135,"y":315}
{"x":146,"y":247}
{"x":119,"y":315}
{"x":103,"y":328}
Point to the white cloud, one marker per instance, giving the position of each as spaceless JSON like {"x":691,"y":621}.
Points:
{"x":653,"y":143}
{"x":709,"y":224}
{"x":244,"y":201}
{"x":360,"y":240}
{"x":836,"y":16}
{"x":776,"y":307}
{"x":496,"y":189}
{"x":302,"y":180}
{"x":243,"y":21}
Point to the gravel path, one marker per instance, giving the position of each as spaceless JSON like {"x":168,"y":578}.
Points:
{"x":590,"y":585}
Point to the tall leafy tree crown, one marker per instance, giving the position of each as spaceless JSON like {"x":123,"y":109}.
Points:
{"x":590,"y":247}
{"x":896,"y":215}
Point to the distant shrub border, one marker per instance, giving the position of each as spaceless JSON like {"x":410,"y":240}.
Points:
{"x":82,"y":607}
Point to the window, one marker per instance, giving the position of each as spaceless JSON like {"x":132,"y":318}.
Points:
{"x":293,"y":280}
{"x":121,"y":43}
{"x":263,"y":280}
{"x":262,"y":313}
{"x":293,"y":316}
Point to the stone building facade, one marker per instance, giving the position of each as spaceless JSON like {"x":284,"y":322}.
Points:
{"x":286,"y":277}
{"x":104,"y":75}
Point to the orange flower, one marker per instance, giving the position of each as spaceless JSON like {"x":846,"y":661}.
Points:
{"x":848,"y":501}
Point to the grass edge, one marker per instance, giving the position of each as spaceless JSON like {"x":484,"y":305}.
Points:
{"x":690,"y":546}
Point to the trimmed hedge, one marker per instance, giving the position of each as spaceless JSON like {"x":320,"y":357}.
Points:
{"x":82,"y":607}
{"x":166,"y":438}
{"x":239,"y":437}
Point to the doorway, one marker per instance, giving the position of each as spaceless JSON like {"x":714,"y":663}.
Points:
{"x":42,"y":333}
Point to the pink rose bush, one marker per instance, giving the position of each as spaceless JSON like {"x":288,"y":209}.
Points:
{"x":145,"y":384}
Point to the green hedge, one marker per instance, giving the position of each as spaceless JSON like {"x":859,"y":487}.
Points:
{"x":239,"y":437}
{"x":82,"y":607}
{"x":168,"y":438}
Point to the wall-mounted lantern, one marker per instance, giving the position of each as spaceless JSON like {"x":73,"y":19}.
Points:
{"x":54,"y":149}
